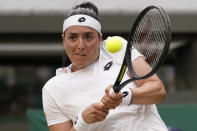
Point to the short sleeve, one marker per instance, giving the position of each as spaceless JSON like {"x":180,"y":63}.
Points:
{"x":134,"y":54}
{"x":52,"y":111}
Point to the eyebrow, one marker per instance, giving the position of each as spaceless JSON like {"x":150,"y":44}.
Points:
{"x":73,"y":33}
{"x":87,"y":33}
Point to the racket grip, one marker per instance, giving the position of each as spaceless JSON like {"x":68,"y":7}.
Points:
{"x":117,"y":88}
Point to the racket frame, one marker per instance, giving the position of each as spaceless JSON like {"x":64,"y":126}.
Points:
{"x":127,"y":57}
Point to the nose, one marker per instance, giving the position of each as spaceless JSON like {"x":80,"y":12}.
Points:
{"x":81,"y":45}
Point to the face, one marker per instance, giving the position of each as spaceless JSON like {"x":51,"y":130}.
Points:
{"x":82,"y":45}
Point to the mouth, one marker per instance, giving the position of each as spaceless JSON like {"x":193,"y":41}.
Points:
{"x":79,"y":54}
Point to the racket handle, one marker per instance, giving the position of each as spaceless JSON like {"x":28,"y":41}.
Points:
{"x":117,"y":88}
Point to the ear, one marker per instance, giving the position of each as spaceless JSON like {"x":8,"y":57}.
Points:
{"x":63,"y":38}
{"x":101,"y":36}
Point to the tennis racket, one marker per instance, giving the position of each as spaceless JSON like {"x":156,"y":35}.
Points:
{"x":151,"y":36}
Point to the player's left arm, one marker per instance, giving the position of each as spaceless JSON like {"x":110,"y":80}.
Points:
{"x":150,"y":90}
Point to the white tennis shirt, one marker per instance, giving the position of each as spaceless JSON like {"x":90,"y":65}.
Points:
{"x":66,"y":94}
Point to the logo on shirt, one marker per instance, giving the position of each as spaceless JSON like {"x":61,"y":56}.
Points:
{"x":82,"y":19}
{"x":125,"y":93}
{"x":108,"y":65}
{"x":76,"y":121}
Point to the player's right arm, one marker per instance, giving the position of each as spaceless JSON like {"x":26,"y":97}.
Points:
{"x":93,"y":113}
{"x":65,"y":126}
{"x":56,"y":119}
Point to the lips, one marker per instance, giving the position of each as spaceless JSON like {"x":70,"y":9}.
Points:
{"x":79,"y":54}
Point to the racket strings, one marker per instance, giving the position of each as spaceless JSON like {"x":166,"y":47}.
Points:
{"x":149,"y":39}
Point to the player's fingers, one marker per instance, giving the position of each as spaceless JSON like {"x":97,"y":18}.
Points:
{"x":110,"y":103}
{"x":111,"y":106}
{"x":107,"y":90}
{"x":101,"y":111}
{"x":94,"y":113}
{"x":107,"y":100}
{"x":116,"y":96}
{"x":101,"y":107}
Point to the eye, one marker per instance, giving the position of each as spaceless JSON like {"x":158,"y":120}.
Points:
{"x":88,"y":37}
{"x":72,"y":37}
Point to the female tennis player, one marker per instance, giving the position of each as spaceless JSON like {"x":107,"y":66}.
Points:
{"x":78,"y":98}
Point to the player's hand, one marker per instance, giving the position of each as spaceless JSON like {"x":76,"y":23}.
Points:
{"x":111,"y":101}
{"x":94,"y":113}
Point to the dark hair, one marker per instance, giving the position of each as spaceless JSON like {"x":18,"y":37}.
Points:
{"x":86,"y":8}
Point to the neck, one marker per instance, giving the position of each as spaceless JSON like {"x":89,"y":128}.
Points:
{"x":75,"y":67}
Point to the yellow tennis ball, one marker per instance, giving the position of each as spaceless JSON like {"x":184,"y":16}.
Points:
{"x":113,"y":44}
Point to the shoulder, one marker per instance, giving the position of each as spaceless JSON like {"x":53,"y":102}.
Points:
{"x":61,"y":71}
{"x":61,"y":79}
{"x":50,"y":83}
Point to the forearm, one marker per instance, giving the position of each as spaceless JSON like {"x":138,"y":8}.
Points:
{"x":151,"y":92}
{"x":65,"y":126}
{"x":72,"y":129}
{"x":62,"y":129}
